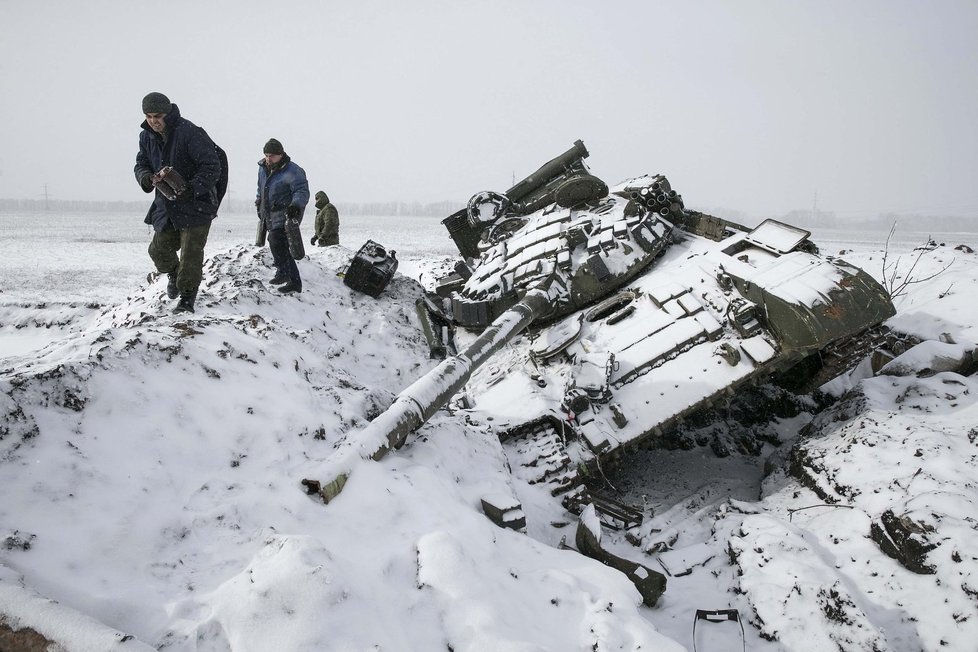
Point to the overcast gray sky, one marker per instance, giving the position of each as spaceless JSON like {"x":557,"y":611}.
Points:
{"x":749,"y":105}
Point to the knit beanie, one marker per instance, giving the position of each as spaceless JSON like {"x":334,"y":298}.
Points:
{"x":156,"y":103}
{"x":274,"y":147}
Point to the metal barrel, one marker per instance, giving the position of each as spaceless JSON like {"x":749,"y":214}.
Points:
{"x":420,"y":401}
{"x":548,"y":171}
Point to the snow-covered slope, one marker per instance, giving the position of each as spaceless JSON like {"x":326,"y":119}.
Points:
{"x":151,"y":469}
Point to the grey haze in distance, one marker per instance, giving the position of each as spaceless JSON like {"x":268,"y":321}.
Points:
{"x":752,"y":106}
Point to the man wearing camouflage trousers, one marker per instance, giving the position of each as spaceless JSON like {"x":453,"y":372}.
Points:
{"x":186,"y":194}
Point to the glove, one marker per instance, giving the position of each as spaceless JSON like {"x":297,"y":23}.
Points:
{"x":293,"y":212}
{"x":146,"y":182}
{"x":313,"y":241}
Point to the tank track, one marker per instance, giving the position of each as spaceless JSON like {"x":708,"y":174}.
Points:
{"x":843,"y":355}
{"x":537,"y":454}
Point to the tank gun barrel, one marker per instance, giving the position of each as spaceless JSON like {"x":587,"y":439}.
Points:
{"x":552,"y":168}
{"x":422,"y":399}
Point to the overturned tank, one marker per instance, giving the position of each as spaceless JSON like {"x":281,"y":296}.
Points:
{"x":614,"y":313}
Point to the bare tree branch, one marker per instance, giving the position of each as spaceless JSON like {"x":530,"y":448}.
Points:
{"x":895,"y":283}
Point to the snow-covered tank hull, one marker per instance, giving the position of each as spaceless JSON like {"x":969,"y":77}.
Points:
{"x":662,"y":311}
{"x":709,"y":317}
{"x":590,"y":319}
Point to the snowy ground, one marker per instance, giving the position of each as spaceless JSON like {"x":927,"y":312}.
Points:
{"x":85,"y":257}
{"x":150,"y":468}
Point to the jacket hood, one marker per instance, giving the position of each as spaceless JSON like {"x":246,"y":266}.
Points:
{"x":321,"y":199}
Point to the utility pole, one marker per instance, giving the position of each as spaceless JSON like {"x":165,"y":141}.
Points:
{"x":46,"y":205}
{"x":815,"y":207}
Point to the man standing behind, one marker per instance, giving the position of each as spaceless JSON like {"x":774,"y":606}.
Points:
{"x":179,"y":160}
{"x":327,"y":222}
{"x":283,"y":193}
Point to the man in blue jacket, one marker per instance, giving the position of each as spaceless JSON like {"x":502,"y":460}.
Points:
{"x":180,"y":161}
{"x":283,"y":193}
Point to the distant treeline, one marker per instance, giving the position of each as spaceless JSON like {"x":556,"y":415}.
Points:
{"x":801,"y":218}
{"x":884,"y":221}
{"x":71,"y":205}
{"x":438,"y":209}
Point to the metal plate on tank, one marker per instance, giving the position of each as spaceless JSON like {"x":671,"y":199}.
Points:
{"x":557,"y":338}
{"x":777,"y":236}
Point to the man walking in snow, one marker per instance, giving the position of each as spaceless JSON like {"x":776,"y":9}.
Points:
{"x":180,"y":161}
{"x":327,"y":222}
{"x":283,"y":193}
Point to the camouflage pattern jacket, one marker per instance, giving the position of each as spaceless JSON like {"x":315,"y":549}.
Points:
{"x":327,"y":224}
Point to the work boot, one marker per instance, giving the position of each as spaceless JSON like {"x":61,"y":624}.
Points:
{"x":279,"y":278}
{"x":289,"y":288}
{"x":171,"y":286}
{"x":186,"y":303}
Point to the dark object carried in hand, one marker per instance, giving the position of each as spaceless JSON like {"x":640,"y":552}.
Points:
{"x":371,"y":269}
{"x":169,"y":182}
{"x":296,"y":248}
{"x":260,"y":233}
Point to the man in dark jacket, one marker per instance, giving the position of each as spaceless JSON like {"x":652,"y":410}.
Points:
{"x":283,"y":193}
{"x":182,"y":163}
{"x":327,"y":222}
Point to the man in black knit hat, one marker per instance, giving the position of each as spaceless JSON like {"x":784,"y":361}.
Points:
{"x":184,"y":166}
{"x":283,"y":193}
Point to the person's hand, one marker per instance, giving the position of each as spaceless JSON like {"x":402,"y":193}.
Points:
{"x":313,"y":241}
{"x":146,"y":182}
{"x":293,"y":212}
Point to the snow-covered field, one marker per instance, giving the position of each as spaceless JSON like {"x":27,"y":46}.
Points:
{"x":86,"y":257}
{"x":150,"y":468}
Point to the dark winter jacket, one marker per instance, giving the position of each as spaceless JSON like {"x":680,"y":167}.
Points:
{"x":281,"y":186}
{"x":194,"y":155}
